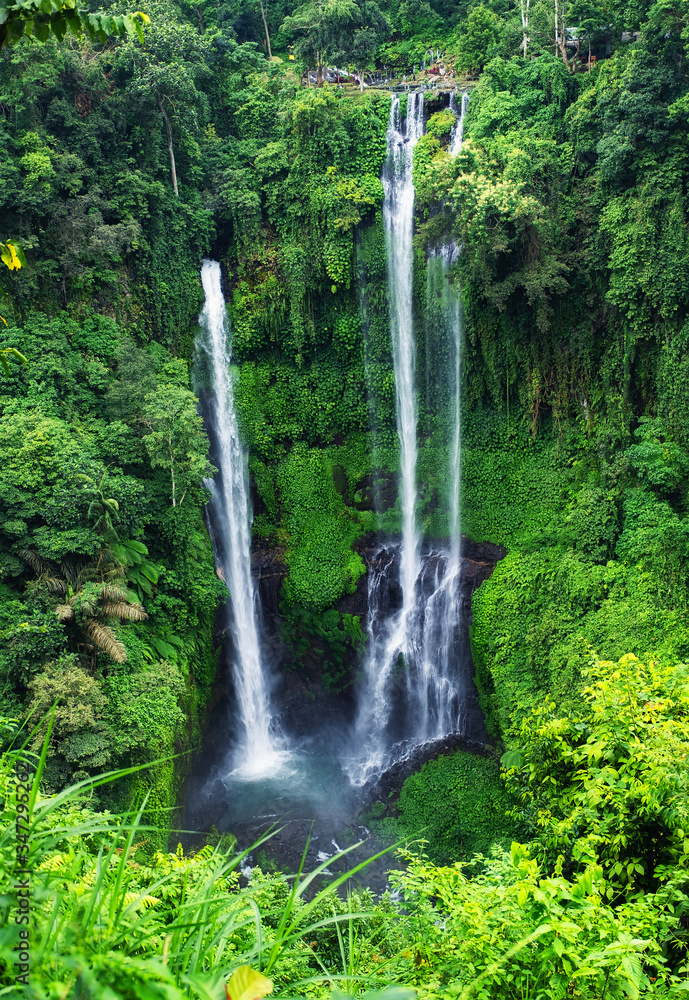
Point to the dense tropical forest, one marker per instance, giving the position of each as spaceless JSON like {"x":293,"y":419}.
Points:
{"x":136,"y":144}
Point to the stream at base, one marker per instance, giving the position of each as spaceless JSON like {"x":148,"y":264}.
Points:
{"x":312,"y":798}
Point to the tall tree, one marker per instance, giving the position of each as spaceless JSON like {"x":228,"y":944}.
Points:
{"x":323,"y":25}
{"x":176,"y":441}
{"x":164,"y":73}
{"x":480,"y":36}
{"x":360,"y":40}
{"x":261,"y":4}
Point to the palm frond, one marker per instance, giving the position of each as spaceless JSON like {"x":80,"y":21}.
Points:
{"x":89,"y":606}
{"x":71,"y":571}
{"x":106,"y":640}
{"x":36,"y":561}
{"x":55,"y":585}
{"x":123,"y":609}
{"x":65,"y":612}
{"x":113,"y":592}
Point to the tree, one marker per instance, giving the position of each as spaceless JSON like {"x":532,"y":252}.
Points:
{"x":37,"y":18}
{"x":170,"y":86}
{"x":607,"y":784}
{"x":87,"y":604}
{"x":265,"y":26}
{"x":92,"y":602}
{"x":103,"y":509}
{"x":322,"y":23}
{"x":561,"y":11}
{"x":176,"y":441}
{"x":164,"y":73}
{"x":480,"y":36}
{"x":361,"y":44}
{"x":79,"y":732}
{"x":589,"y":18}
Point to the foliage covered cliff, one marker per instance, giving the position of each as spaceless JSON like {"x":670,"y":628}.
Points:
{"x":124,"y":164}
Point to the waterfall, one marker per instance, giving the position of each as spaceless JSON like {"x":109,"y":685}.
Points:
{"x":435,"y":690}
{"x":413,"y":688}
{"x":398,"y":219}
{"x":457,"y":136}
{"x":393,"y":639}
{"x":231,"y":518}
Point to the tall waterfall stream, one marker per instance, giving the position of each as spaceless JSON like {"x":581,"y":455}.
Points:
{"x":230,"y":515}
{"x":415,"y":669}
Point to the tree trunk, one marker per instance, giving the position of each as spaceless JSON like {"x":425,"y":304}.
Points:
{"x":361,"y":80}
{"x":589,"y":54}
{"x":319,"y":71}
{"x":561,"y":36}
{"x":202,"y":23}
{"x":168,"y":130}
{"x":524,"y":12}
{"x":265,"y":26}
{"x":557,"y":24}
{"x":172,"y":474}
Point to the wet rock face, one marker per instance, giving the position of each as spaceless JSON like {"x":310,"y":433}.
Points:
{"x":299,"y":680}
{"x":299,"y":684}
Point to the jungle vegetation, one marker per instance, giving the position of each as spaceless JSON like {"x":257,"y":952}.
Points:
{"x":559,"y":870}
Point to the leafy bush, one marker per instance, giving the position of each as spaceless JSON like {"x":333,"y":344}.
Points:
{"x":457,"y":804}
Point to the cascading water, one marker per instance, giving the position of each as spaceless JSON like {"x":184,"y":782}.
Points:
{"x":231,"y":519}
{"x":422,"y":637}
{"x":394,"y":639}
{"x":398,"y":219}
{"x":457,"y":136}
{"x":434,"y":687}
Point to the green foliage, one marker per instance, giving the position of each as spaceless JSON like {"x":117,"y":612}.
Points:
{"x":28,"y":18}
{"x":322,"y":565}
{"x":517,"y":930}
{"x":104,"y":909}
{"x":457,"y":805}
{"x":479,"y":40}
{"x":339,"y":638}
{"x":176,"y":441}
{"x":604,"y":784}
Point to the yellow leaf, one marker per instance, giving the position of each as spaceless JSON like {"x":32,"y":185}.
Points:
{"x":16,"y":263}
{"x":247,"y":984}
{"x":8,"y":255}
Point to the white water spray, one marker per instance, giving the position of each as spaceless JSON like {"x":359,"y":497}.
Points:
{"x":457,"y":136}
{"x":398,"y":219}
{"x":258,"y":753}
{"x":434,"y":687}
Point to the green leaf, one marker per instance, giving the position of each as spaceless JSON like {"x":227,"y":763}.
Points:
{"x":150,"y":572}
{"x":59,"y":26}
{"x":512,"y":758}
